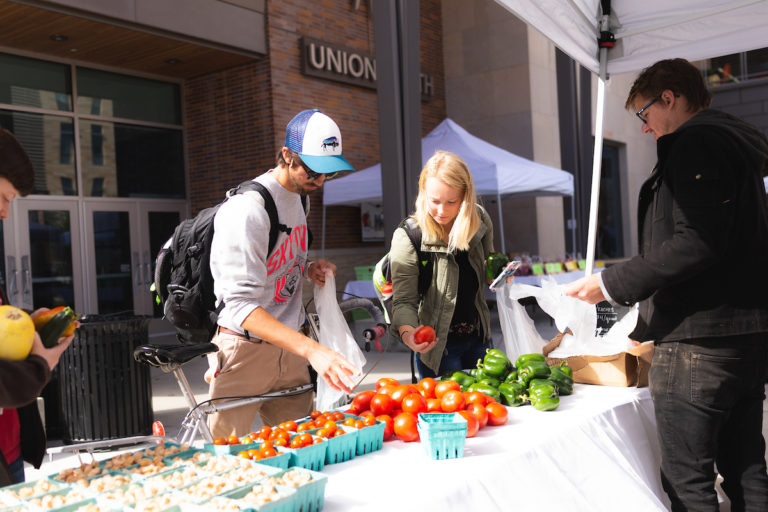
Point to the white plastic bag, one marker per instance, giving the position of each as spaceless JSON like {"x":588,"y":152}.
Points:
{"x":520,"y":335}
{"x":334,"y":334}
{"x":518,"y":329}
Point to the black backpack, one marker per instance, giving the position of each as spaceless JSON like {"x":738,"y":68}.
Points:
{"x":382,"y":274}
{"x":183,"y":282}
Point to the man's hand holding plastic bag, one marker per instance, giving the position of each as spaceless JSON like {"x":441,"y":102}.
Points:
{"x":586,"y":289}
{"x":342,"y":360}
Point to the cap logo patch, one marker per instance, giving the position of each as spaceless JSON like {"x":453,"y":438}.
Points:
{"x":333,"y":142}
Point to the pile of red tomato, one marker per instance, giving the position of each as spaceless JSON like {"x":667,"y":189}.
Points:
{"x":398,"y":406}
{"x":294,"y":434}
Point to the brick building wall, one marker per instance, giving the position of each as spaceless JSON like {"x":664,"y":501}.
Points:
{"x":235,"y":119}
{"x":229,"y":130}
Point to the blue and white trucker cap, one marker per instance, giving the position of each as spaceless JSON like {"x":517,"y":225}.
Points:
{"x":317,"y":140}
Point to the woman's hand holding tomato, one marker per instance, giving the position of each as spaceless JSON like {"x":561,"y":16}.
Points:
{"x":421,"y":339}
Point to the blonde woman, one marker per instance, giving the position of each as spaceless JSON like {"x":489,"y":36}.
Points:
{"x":456,"y":237}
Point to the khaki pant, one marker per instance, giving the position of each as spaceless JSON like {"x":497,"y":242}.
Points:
{"x":244,"y":368}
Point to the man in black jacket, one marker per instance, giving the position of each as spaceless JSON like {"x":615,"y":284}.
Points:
{"x":701,"y":280}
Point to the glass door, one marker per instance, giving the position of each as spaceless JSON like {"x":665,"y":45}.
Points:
{"x":158,"y":221}
{"x":43,"y":255}
{"x":122,"y":242}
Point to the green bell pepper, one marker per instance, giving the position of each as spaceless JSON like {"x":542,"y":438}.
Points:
{"x":511,"y":376}
{"x":544,"y":397}
{"x":564,"y":381}
{"x":446,"y":376}
{"x":524,"y":359}
{"x":533,"y":370}
{"x":512,"y":393}
{"x":486,"y":390}
{"x":496,"y":363}
{"x":534,"y":383}
{"x":567,"y":369}
{"x":491,"y":381}
{"x":495,"y":263}
{"x":463,"y":378}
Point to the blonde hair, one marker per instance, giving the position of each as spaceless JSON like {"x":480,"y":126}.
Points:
{"x":451,"y":170}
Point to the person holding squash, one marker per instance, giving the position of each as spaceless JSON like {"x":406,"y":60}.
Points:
{"x":21,"y":431}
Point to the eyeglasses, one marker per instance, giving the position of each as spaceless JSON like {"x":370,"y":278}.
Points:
{"x":639,"y":113}
{"x":312,"y":175}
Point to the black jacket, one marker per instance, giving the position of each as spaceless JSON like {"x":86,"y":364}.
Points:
{"x":703,"y":235}
{"x":21,"y":382}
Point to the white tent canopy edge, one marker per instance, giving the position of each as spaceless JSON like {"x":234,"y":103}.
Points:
{"x":495,"y":172}
{"x":645,"y":32}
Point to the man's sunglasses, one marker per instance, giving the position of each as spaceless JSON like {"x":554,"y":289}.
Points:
{"x":312,"y":175}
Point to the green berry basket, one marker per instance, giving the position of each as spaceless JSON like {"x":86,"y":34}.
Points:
{"x":442,"y":435}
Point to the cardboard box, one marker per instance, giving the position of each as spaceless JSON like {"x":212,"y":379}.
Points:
{"x":625,"y":369}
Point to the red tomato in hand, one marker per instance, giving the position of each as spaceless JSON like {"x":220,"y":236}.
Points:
{"x":480,"y":413}
{"x":424,"y":334}
{"x":473,"y":425}
{"x":414,"y":403}
{"x":405,"y":427}
{"x":497,"y":414}
{"x":382,"y":404}
{"x":389,"y":425}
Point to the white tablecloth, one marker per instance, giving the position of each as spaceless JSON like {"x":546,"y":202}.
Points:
{"x":598,"y":452}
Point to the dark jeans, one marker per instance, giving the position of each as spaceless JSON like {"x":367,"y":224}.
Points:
{"x":460,"y":353}
{"x":17,"y":470}
{"x":708,"y":396}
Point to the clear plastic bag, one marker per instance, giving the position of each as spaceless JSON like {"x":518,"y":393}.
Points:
{"x":518,"y":329}
{"x":568,"y":313}
{"x":334,"y":334}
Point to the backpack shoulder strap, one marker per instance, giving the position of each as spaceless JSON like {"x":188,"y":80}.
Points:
{"x":413,"y":231}
{"x":269,"y":205}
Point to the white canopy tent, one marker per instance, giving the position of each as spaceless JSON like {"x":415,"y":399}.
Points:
{"x":495,"y":172}
{"x":644,"y":33}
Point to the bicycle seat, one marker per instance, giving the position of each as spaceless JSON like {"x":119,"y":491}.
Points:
{"x":163,"y":355}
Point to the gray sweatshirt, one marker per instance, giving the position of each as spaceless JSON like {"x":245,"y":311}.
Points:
{"x":245,"y":276}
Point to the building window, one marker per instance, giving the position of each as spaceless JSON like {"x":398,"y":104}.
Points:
{"x":97,"y":154}
{"x":66,"y":187}
{"x":129,"y":133}
{"x":736,"y":67}
{"x":97,"y":187}
{"x":66,"y":143}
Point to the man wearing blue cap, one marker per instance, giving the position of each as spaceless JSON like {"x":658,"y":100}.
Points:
{"x":260,"y":348}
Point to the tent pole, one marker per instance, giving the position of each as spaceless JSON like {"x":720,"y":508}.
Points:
{"x":573,"y":225}
{"x":322,"y":241}
{"x":597,"y":161}
{"x":501,"y":223}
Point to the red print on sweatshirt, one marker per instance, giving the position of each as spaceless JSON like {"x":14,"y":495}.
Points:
{"x":286,"y":260}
